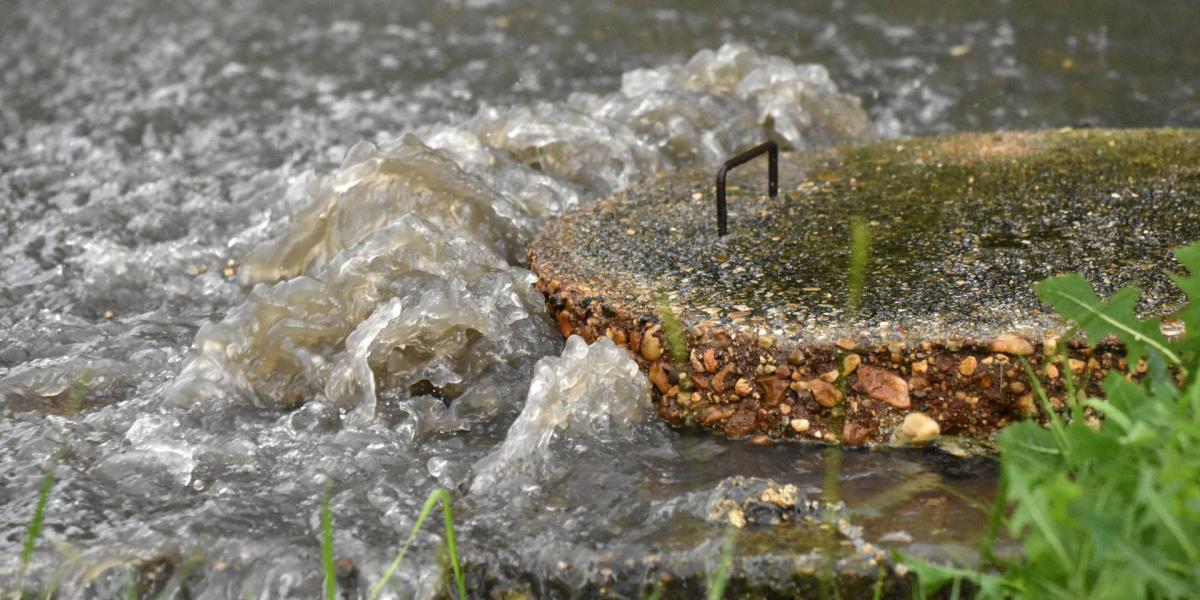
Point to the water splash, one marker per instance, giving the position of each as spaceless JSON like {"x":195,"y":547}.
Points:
{"x":590,"y":395}
{"x":411,"y":303}
{"x":365,"y":304}
{"x":350,"y":328}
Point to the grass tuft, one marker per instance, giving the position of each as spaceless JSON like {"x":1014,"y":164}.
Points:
{"x":178,"y":578}
{"x":437,"y":496}
{"x":34,"y":530}
{"x":720,"y":577}
{"x":656,"y":593}
{"x":327,"y":549}
{"x":1104,"y":508}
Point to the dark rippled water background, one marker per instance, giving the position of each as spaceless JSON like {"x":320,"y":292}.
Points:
{"x":254,"y":251}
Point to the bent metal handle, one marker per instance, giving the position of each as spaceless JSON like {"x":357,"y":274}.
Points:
{"x":772,"y":178}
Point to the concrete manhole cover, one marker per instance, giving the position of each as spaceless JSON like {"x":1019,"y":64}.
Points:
{"x":784,"y":337}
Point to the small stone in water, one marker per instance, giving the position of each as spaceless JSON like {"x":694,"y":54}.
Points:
{"x":737,"y":518}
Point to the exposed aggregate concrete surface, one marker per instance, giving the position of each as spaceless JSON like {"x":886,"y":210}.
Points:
{"x":959,"y":230}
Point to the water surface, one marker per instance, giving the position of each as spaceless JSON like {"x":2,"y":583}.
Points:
{"x":218,"y":304}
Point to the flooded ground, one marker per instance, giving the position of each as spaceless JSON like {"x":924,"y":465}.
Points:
{"x":250,"y":255}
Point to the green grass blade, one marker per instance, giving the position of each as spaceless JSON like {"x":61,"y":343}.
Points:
{"x":1112,"y":413}
{"x":452,"y":543}
{"x":327,"y":550}
{"x":1052,"y":289}
{"x":1171,"y":586}
{"x":1045,"y":525}
{"x":1056,"y":422}
{"x":60,"y":573}
{"x":39,"y":514}
{"x":860,"y":255}
{"x":131,"y":586}
{"x":1154,"y":501}
{"x":720,"y":578}
{"x":178,"y":580}
{"x":438,"y":495}
{"x":656,"y":594}
{"x":995,"y":520}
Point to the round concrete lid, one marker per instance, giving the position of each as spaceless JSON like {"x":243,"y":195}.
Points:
{"x":952,"y":234}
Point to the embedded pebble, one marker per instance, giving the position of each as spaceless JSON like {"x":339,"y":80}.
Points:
{"x":917,"y":429}
{"x":720,"y":381}
{"x":883,"y":385}
{"x":743,"y":387}
{"x":1026,"y":406}
{"x":967,"y":366}
{"x":854,"y":434}
{"x":825,"y":393}
{"x":651,"y":347}
{"x":1012,"y":344}
{"x":850,"y":363}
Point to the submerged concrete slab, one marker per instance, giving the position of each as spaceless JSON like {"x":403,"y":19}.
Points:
{"x":778,"y":339}
{"x":787,"y":546}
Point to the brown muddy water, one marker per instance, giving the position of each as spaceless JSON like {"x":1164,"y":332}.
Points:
{"x":252,"y":253}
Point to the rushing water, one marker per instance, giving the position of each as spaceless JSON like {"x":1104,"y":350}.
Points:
{"x":251,"y":254}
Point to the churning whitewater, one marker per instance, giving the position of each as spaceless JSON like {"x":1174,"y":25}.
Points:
{"x":253,"y":257}
{"x":385,"y":337}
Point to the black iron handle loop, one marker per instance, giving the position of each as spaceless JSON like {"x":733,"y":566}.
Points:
{"x":772,"y":178}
